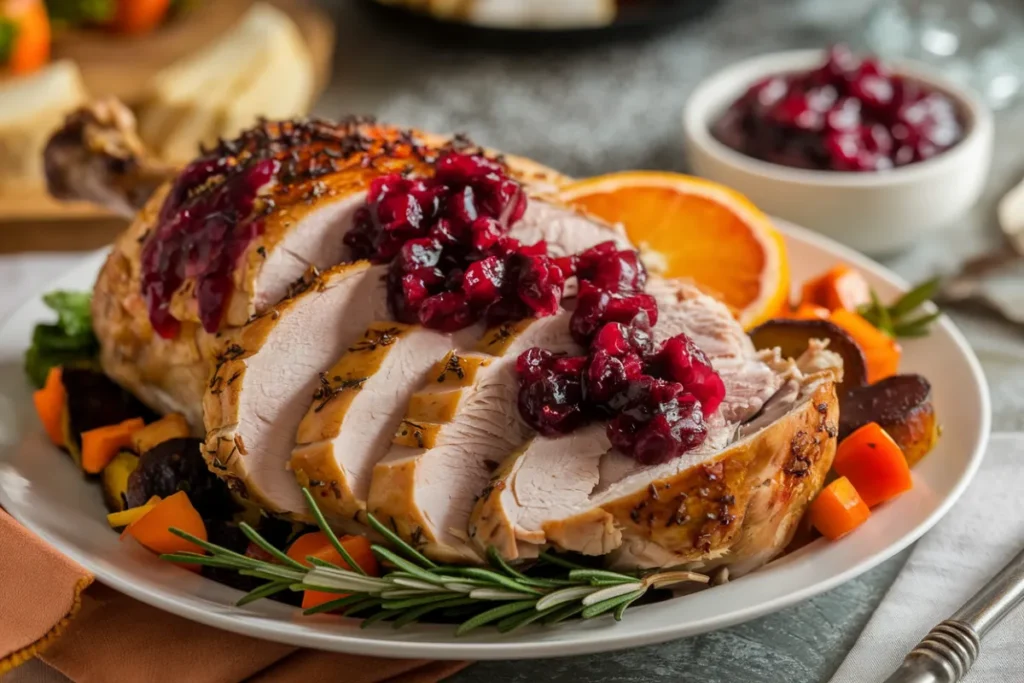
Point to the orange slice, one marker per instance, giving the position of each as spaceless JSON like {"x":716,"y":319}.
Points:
{"x":690,"y":227}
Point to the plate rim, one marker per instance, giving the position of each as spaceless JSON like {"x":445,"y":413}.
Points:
{"x":300,"y":634}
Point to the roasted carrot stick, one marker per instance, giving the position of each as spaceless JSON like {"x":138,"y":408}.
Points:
{"x":874,"y":464}
{"x":316,"y":544}
{"x":49,"y":402}
{"x":838,"y":509}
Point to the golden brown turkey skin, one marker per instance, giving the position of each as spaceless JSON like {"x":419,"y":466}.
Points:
{"x":324,"y":172}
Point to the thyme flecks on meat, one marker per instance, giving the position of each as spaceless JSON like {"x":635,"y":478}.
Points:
{"x":415,"y":586}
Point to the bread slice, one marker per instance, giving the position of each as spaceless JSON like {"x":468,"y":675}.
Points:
{"x":31,"y":108}
{"x":259,"y":68}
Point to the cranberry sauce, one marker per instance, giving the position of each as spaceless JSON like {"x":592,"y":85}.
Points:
{"x":655,"y":399}
{"x":218,"y":204}
{"x":201,"y":236}
{"x":452,"y":262}
{"x":846,"y":115}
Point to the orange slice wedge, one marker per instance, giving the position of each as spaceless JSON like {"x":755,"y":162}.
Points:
{"x":690,"y":227}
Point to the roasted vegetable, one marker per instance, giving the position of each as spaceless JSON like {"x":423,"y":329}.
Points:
{"x":128,"y":516}
{"x":178,"y":465}
{"x":152,"y":529}
{"x":840,"y":287}
{"x":874,"y":464}
{"x":793,"y":336}
{"x":100,"y":445}
{"x":94,"y":400}
{"x":902,"y":406}
{"x":316,"y":544}
{"x":838,"y":509}
{"x":114,"y":480}
{"x":69,"y":342}
{"x":881,"y":352}
{"x":49,"y":403}
{"x":24,"y":36}
{"x":173,"y":426}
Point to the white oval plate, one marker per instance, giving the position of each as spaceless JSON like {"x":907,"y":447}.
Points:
{"x":41,"y":488}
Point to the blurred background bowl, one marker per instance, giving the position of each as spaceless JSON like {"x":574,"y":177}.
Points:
{"x":878,"y":212}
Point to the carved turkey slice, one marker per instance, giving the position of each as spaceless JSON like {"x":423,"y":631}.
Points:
{"x":735,"y":499}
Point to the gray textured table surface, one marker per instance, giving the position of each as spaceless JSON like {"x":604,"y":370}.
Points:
{"x":617,"y":106}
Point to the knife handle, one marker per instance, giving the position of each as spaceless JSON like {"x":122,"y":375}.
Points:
{"x":950,"y":649}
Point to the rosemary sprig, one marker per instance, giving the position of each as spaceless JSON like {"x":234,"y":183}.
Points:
{"x":413,"y":587}
{"x":903,"y":318}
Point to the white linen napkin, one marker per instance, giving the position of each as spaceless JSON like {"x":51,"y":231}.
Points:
{"x":983,"y":531}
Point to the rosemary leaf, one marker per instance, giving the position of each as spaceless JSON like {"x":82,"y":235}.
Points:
{"x":407,"y":550}
{"x":884,"y":319}
{"x":918,"y":327}
{"x":263,"y":543}
{"x":335,"y":604}
{"x":460,"y":587}
{"x":565,"y":595}
{"x":498,"y":594}
{"x":416,"y":602}
{"x":498,"y":579}
{"x":420,"y":573}
{"x":404,"y":593}
{"x":591,"y":611}
{"x":362,"y":606}
{"x":562,"y":613}
{"x":382,"y":615}
{"x":612,"y":592}
{"x":607,"y":577}
{"x":494,"y":614}
{"x":264,"y":591}
{"x":552,"y":558}
{"x":418,"y":613}
{"x":621,"y":609}
{"x":413,"y":583}
{"x":329,"y":533}
{"x":913,"y":299}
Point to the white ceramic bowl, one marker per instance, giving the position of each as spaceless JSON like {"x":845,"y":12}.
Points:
{"x":877,"y":213}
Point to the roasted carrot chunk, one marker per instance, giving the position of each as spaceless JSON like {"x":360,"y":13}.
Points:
{"x":881,"y":351}
{"x":49,"y":402}
{"x":842,"y":287}
{"x":99,"y":446}
{"x":838,"y":509}
{"x":153,"y":529}
{"x":317,"y":544}
{"x":807,"y":311}
{"x":874,"y":464}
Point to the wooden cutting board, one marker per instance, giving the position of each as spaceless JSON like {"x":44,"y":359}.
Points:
{"x":122,"y":66}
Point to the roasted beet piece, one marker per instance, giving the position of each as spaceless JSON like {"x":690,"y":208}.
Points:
{"x":178,"y":465}
{"x":901,"y":405}
{"x":94,"y":400}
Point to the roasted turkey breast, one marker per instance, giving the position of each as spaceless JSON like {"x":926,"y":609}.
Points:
{"x":289,"y":364}
{"x":305,"y":208}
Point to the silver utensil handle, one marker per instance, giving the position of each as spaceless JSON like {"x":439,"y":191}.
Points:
{"x":950,"y":649}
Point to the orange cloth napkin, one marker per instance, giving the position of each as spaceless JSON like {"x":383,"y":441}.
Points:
{"x":99,"y":635}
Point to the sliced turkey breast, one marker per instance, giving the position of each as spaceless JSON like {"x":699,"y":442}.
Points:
{"x":358,"y":407}
{"x":527,"y":497}
{"x":267,"y":373}
{"x":459,"y":427}
{"x":304,"y":210}
{"x":736,"y":505}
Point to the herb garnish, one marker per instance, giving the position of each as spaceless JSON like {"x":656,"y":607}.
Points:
{"x":70,"y":341}
{"x":903,"y":318}
{"x":415,"y":586}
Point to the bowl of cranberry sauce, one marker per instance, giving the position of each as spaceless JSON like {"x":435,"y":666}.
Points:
{"x":872,"y":154}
